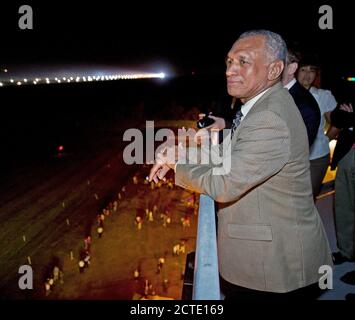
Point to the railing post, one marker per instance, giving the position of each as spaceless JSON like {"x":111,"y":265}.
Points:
{"x":206,"y":275}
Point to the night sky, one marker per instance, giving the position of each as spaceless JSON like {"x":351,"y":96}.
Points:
{"x":177,"y":37}
{"x":189,"y":35}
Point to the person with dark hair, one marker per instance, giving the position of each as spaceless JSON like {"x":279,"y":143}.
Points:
{"x":271,"y":241}
{"x":308,"y":76}
{"x":304,"y":100}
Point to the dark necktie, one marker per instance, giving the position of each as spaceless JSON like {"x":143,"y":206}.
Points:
{"x":236,"y":121}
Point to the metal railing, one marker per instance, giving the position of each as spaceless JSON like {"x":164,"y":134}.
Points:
{"x":206,"y":276}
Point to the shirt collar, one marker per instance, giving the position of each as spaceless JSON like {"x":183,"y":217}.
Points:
{"x":249,"y":104}
{"x":290,"y":84}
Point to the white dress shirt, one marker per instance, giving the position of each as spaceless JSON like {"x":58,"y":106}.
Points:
{"x":326,"y":103}
{"x":249,"y":104}
{"x":290,"y":84}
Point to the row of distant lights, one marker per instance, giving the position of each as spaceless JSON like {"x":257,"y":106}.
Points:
{"x":160,"y":75}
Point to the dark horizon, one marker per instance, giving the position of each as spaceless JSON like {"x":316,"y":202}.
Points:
{"x":187,"y":41}
{"x":188,"y":36}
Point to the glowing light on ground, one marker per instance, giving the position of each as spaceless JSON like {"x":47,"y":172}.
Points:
{"x":77,"y":78}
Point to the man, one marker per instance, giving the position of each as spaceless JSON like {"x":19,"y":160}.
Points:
{"x":306,"y":103}
{"x":344,"y":157}
{"x":270,"y":237}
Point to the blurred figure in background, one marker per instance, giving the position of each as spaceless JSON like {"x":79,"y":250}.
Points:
{"x":305,"y":102}
{"x":309,"y":77}
{"x":344,"y":157}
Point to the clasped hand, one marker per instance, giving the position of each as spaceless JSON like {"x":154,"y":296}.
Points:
{"x":165,"y":160}
{"x":167,"y":157}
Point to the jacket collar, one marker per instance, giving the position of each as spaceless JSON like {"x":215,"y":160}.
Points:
{"x":276,"y":87}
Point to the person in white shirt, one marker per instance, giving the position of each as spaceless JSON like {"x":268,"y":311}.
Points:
{"x":319,"y":153}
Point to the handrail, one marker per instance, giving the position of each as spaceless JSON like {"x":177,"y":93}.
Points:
{"x":206,"y":276}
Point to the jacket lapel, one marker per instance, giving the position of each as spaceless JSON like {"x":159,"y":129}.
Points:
{"x":274,"y":88}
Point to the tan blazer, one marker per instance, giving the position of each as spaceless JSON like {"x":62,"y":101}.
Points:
{"x":270,"y":235}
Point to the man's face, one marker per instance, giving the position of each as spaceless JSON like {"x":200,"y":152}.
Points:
{"x":247,"y":68}
{"x":306,"y":76}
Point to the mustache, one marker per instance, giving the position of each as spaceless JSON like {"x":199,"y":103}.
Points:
{"x":235,"y":79}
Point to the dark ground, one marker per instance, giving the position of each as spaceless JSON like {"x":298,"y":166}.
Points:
{"x":40,"y":191}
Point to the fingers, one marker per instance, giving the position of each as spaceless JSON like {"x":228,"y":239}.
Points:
{"x":211,"y":126}
{"x":343,"y":107}
{"x":346,"y":107}
{"x":162,"y":172}
{"x":155,"y":179}
{"x":158,"y":172}
{"x":202,"y":115}
{"x":201,"y":134}
{"x":219,"y":123}
{"x":153,"y":172}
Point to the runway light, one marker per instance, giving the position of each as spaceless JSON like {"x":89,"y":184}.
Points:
{"x":1,"y":84}
{"x":5,"y":70}
{"x":350,"y":79}
{"x":60,"y":148}
{"x":90,"y":78}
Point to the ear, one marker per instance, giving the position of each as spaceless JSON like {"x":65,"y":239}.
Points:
{"x":292,"y":68}
{"x":275,"y":70}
